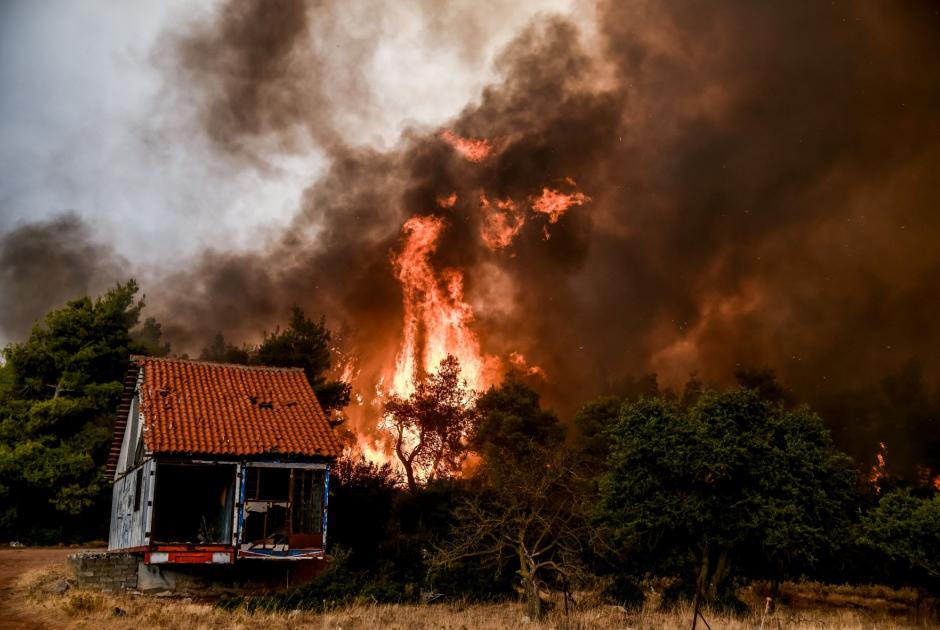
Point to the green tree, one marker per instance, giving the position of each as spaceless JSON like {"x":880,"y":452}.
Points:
{"x":732,"y":485}
{"x":526,"y":509}
{"x":305,"y":344}
{"x":592,"y":423}
{"x":513,"y":423}
{"x":220,"y":351}
{"x":57,"y":402}
{"x":906,"y":528}
{"x":430,"y":427}
{"x":150,"y":338}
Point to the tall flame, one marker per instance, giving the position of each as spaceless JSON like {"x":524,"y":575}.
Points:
{"x":437,"y":320}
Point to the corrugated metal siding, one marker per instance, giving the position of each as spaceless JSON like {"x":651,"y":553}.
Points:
{"x":130,"y":527}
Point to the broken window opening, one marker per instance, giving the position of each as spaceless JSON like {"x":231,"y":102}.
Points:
{"x":307,"y":512}
{"x":283,"y":508}
{"x":193,"y":503}
{"x":138,"y":489}
{"x":133,"y":422}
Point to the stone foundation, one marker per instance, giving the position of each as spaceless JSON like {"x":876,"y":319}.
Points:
{"x":115,"y":571}
{"x":106,"y":571}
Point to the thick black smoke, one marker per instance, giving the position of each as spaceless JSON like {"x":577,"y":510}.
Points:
{"x":44,"y":264}
{"x":763,"y":184}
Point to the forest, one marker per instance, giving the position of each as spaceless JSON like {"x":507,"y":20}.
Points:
{"x":491,"y":495}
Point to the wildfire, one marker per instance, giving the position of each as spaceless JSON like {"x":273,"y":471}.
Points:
{"x":472,"y":149}
{"x":555,"y":203}
{"x":501,"y":223}
{"x":437,"y":320}
{"x":436,"y":317}
{"x":879,"y":470}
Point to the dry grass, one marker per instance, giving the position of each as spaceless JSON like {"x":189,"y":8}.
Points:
{"x":86,"y":609}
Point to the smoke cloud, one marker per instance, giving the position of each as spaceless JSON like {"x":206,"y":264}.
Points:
{"x":44,"y":264}
{"x":762,"y":184}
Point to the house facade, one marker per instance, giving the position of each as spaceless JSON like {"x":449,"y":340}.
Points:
{"x":212,"y":463}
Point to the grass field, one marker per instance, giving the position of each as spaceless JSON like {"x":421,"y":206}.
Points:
{"x":809,"y":606}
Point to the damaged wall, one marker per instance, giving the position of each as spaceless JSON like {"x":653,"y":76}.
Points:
{"x":132,"y":508}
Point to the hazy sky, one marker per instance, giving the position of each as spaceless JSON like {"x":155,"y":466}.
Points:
{"x":90,"y":121}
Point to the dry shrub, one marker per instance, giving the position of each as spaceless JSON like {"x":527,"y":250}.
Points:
{"x":83,"y":603}
{"x":96,"y":610}
{"x":41,"y":579}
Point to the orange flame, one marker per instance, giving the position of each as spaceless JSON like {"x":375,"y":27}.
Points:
{"x":447,"y":202}
{"x":518,"y":361}
{"x":500,"y":224}
{"x":879,"y":470}
{"x":472,"y":149}
{"x":436,"y":318}
{"x":555,"y":203}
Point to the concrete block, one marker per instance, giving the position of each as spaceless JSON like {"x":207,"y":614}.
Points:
{"x":151,"y":578}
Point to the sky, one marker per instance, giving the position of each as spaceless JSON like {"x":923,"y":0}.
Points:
{"x":90,"y":121}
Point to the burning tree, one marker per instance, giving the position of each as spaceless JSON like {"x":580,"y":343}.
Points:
{"x":526,"y":508}
{"x":430,"y":426}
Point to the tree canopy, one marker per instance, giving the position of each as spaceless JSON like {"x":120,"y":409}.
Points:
{"x":526,"y":511}
{"x":907,"y":529}
{"x":734,"y":484}
{"x":57,"y":406}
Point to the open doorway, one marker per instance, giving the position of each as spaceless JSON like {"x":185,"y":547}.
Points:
{"x":193,"y":503}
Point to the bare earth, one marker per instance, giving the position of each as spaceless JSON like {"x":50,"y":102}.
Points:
{"x":14,"y":563}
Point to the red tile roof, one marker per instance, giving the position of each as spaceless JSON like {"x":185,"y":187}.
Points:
{"x":222,"y":409}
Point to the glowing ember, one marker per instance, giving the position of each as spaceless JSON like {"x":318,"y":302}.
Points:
{"x":447,"y":202}
{"x":472,"y":149}
{"x":436,"y":317}
{"x":518,"y":361}
{"x":500,"y":224}
{"x":555,"y":203}
{"x":879,"y":470}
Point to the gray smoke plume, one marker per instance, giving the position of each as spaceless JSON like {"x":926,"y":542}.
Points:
{"x":42,"y":265}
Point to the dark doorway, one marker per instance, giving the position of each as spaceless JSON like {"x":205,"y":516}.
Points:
{"x":193,"y":503}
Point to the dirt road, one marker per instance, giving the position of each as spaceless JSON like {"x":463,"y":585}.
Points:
{"x":14,"y":563}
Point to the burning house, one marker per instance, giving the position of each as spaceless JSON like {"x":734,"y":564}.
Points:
{"x":212,"y":463}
